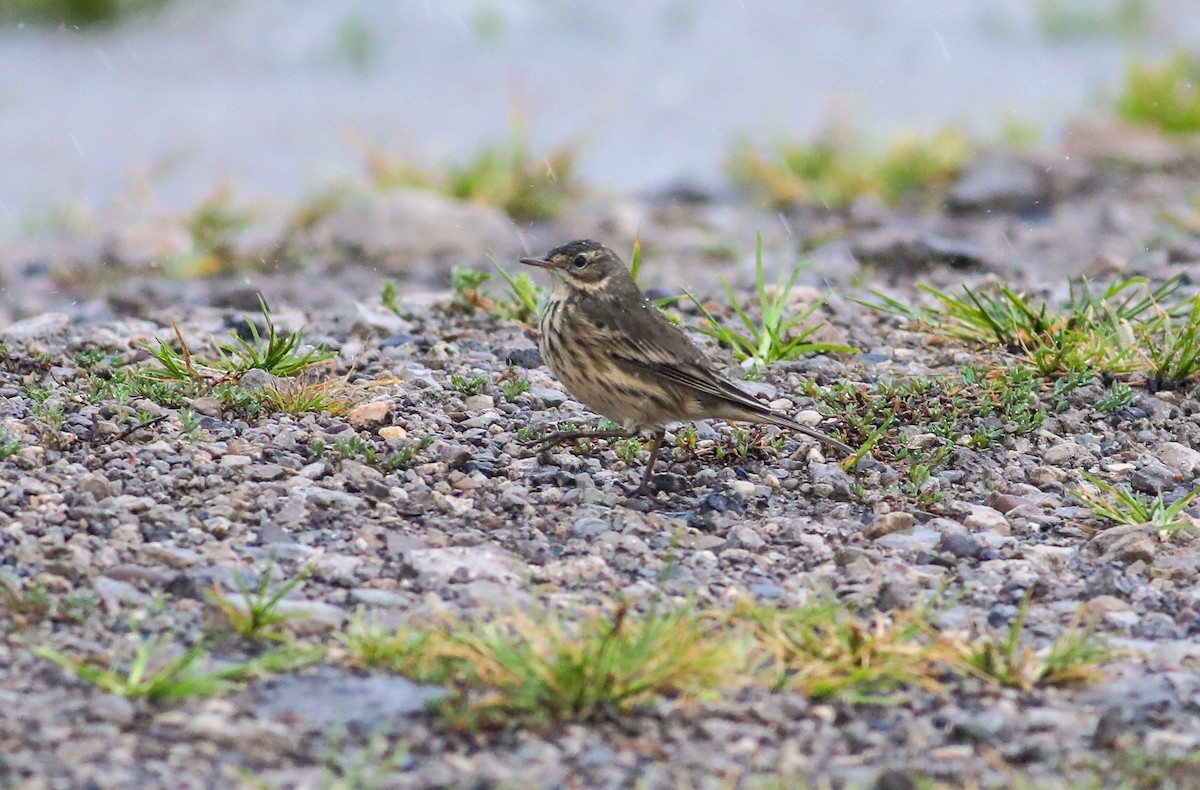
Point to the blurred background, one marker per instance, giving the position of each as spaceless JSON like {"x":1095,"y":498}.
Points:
{"x":165,"y":101}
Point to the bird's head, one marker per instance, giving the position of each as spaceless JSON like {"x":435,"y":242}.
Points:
{"x":584,"y":265}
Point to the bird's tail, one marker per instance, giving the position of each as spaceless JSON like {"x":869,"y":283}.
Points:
{"x":735,"y":404}
{"x":775,"y":418}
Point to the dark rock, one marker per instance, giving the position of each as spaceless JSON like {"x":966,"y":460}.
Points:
{"x":1108,"y":729}
{"x":670,"y":482}
{"x":904,"y":251}
{"x":524,"y":358}
{"x":422,"y":341}
{"x":717,"y":502}
{"x":961,"y":544}
{"x":1003,"y":185}
{"x":894,"y":779}
{"x":1153,"y":478}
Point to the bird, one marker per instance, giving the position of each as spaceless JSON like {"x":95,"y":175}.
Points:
{"x":619,"y":355}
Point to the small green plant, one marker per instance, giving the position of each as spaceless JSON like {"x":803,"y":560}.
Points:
{"x":350,"y":446}
{"x":628,"y":449}
{"x":528,"y":187}
{"x":974,"y":409}
{"x":293,"y":396}
{"x":514,"y":387}
{"x":1131,"y":507}
{"x":522,"y":301}
{"x":468,"y":386}
{"x":257,"y":613}
{"x":839,"y":167}
{"x":1072,"y":658}
{"x":548,"y":667}
{"x":1163,"y":95}
{"x":179,"y":678}
{"x":25,"y":605}
{"x":826,"y":649}
{"x":687,"y":437}
{"x":189,"y":422}
{"x":1091,"y":332}
{"x":8,"y":445}
{"x":918,"y":486}
{"x":1171,"y":348}
{"x":277,"y":354}
{"x":389,"y":297}
{"x":33,"y":603}
{"x":467,"y":284}
{"x":779,"y":334}
{"x":373,"y":767}
{"x":405,"y":455}
{"x":1118,"y":397}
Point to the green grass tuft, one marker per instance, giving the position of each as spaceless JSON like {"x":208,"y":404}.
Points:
{"x":778,"y":334}
{"x":1131,"y":507}
{"x":1164,"y":95}
{"x":544,"y":667}
{"x":840,"y":167}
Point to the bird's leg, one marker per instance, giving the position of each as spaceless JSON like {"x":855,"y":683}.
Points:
{"x":573,"y":436}
{"x":659,"y":435}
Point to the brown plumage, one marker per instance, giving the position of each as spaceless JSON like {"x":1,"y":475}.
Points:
{"x":614,"y":351}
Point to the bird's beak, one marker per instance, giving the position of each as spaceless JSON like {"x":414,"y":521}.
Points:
{"x":541,"y":263}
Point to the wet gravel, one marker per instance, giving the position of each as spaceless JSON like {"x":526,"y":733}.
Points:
{"x":135,"y":526}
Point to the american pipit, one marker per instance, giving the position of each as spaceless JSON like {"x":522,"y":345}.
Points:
{"x":614,"y":351}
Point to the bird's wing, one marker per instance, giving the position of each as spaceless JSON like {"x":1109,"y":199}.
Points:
{"x":652,"y":345}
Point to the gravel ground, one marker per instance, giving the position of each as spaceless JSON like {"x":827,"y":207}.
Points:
{"x":125,"y":529}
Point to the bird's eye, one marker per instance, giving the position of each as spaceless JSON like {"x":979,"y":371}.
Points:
{"x":579,"y":262}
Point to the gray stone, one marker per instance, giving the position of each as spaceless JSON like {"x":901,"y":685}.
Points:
{"x":435,"y":567}
{"x":746,"y":538}
{"x":383,"y":598}
{"x":476,"y":403}
{"x":39,"y":328}
{"x":1152,"y":478}
{"x":982,"y":518}
{"x":395,"y":229}
{"x":588,"y":528}
{"x":1005,"y":503}
{"x":549,"y":396}
{"x":920,"y":539}
{"x":256,"y":379}
{"x":904,"y":250}
{"x":887,"y":524}
{"x":329,"y":696}
{"x":1124,"y":543}
{"x":832,"y":478}
{"x":961,"y":544}
{"x":1064,"y":453}
{"x":1179,"y":458}
{"x":998,"y":184}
